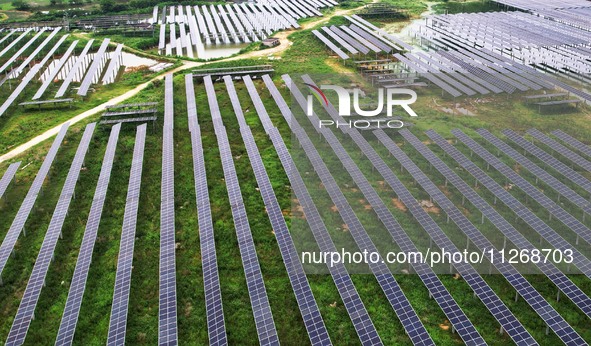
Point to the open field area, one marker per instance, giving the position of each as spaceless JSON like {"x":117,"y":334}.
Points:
{"x":162,"y":180}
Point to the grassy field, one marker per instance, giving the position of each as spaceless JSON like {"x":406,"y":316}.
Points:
{"x":493,"y":114}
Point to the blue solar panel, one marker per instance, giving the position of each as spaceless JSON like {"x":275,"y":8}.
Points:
{"x":65,"y":335}
{"x":120,"y":305}
{"x":26,"y":309}
{"x":549,"y":179}
{"x":522,"y":211}
{"x":567,"y":219}
{"x":561,"y":149}
{"x":549,"y":160}
{"x":353,"y":303}
{"x":307,"y":304}
{"x":167,"y":310}
{"x":585,"y":149}
{"x":213,"y":296}
{"x":8,"y":177}
{"x":261,"y":308}
{"x":408,"y":317}
{"x":18,"y":224}
{"x":519,"y":334}
{"x":449,"y":306}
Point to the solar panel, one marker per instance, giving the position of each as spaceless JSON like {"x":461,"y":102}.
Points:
{"x":454,"y":313}
{"x":446,"y":78}
{"x":382,"y":32}
{"x":167,"y":311}
{"x":518,"y":208}
{"x":74,"y":70}
{"x":339,"y":40}
{"x":26,"y":309}
{"x":213,"y":297}
{"x":7,"y":36}
{"x":408,"y":317}
{"x":430,"y":76}
{"x":265,"y":325}
{"x":370,"y":38}
{"x":114,"y":65}
{"x":50,"y":77}
{"x":32,"y":55}
{"x":307,"y":304}
{"x":13,"y":43}
{"x":549,"y":160}
{"x":330,"y":45}
{"x":519,"y":334}
{"x":580,"y":299}
{"x":567,"y":219}
{"x":65,"y":335}
{"x":8,"y":177}
{"x":353,"y":42}
{"x":353,"y":303}
{"x":120,"y":305}
{"x":18,"y":223}
{"x":128,"y":120}
{"x":27,"y":79}
{"x":162,"y":38}
{"x":583,"y":148}
{"x":561,"y":149}
{"x":130,"y":112}
{"x":18,"y":53}
{"x":538,"y":172}
{"x":360,"y":39}
{"x":374,"y":35}
{"x":95,"y":68}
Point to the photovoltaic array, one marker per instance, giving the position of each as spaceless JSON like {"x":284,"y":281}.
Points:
{"x":167,"y":312}
{"x":26,"y":309}
{"x":65,"y":334}
{"x":121,"y":291}
{"x":216,"y":326}
{"x":267,"y":333}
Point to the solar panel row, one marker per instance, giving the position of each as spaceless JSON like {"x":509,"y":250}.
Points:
{"x":307,"y":304}
{"x":330,"y":45}
{"x":540,"y":173}
{"x":585,"y":149}
{"x":18,"y":53}
{"x":8,"y":177}
{"x":28,"y":77}
{"x":561,"y":149}
{"x":50,"y":76}
{"x":519,"y":334}
{"x":522,"y":211}
{"x":456,"y":316}
{"x":213,"y":297}
{"x":511,"y":233}
{"x":95,"y":68}
{"x":122,"y":288}
{"x":358,"y":313}
{"x":65,"y":334}
{"x":22,"y":215}
{"x":26,"y":309}
{"x":547,"y":159}
{"x":553,"y":208}
{"x":167,"y":311}
{"x":74,"y":70}
{"x":408,"y":317}
{"x":267,"y":333}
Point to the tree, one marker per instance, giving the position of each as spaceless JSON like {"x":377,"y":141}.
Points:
{"x":21,"y":5}
{"x":108,"y":5}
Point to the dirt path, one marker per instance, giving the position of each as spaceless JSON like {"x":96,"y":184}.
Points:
{"x":284,"y":44}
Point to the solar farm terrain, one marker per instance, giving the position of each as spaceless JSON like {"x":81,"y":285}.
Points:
{"x":150,"y":195}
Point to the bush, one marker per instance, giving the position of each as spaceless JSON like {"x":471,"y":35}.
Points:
{"x":21,"y":5}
